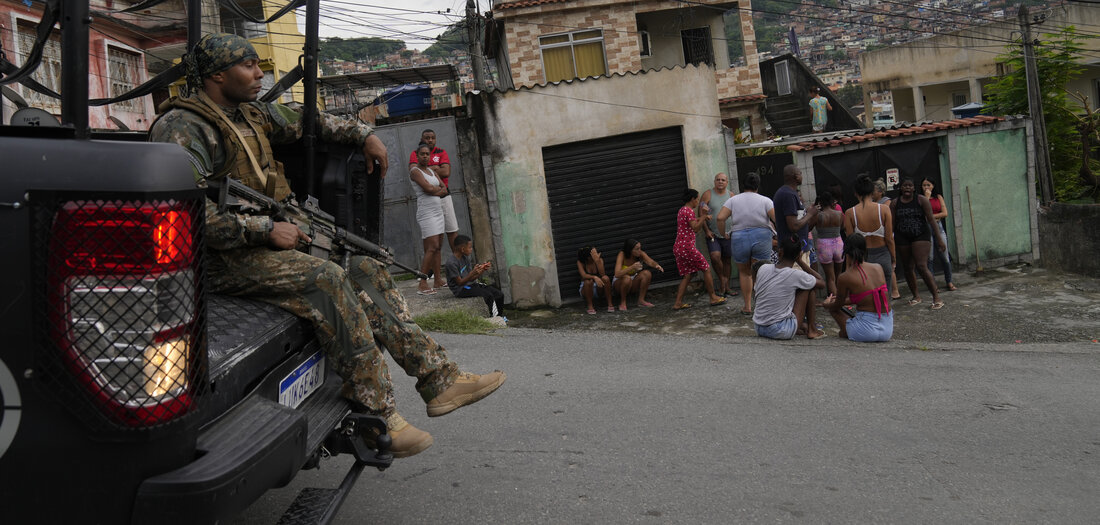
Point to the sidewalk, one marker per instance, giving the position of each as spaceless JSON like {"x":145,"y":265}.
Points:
{"x":1023,"y":305}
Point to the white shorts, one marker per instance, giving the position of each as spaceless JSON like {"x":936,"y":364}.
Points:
{"x":450,"y":222}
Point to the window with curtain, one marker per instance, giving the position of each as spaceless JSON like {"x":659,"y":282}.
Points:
{"x":573,"y":55}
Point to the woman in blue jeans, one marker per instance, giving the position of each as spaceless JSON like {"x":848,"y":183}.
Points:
{"x":862,"y":284}
{"x":753,"y":219}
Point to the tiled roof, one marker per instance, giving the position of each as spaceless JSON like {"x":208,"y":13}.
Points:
{"x":853,"y":137}
{"x":525,"y":3}
{"x":742,"y":98}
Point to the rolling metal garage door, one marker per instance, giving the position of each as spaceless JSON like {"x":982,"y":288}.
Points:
{"x":605,"y":191}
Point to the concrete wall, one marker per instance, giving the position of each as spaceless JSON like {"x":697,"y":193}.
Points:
{"x":518,"y":124}
{"x":1070,"y":239}
{"x":964,"y":56}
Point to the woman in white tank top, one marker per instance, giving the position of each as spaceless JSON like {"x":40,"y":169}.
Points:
{"x":876,"y":224}
{"x":429,"y":215}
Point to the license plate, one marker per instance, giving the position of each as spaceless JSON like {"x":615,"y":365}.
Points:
{"x":303,"y":381}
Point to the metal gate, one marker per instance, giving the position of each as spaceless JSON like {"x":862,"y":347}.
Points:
{"x":916,"y":160}
{"x":605,"y":191}
{"x":768,"y":167}
{"x":402,"y":234}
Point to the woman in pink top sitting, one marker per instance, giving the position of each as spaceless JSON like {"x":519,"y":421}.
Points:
{"x":862,"y":284}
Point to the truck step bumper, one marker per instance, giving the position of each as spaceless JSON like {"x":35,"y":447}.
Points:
{"x":258,"y":445}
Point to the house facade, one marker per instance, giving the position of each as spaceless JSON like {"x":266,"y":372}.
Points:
{"x":117,"y":62}
{"x":554,"y":186}
{"x":546,"y":41}
{"x":929,"y":76}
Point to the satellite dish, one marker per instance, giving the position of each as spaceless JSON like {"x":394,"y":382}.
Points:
{"x":13,"y":96}
{"x":34,"y":117}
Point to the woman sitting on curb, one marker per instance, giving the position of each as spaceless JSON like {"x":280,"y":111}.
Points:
{"x":631,"y":275}
{"x":864,"y":285}
{"x":594,"y":281}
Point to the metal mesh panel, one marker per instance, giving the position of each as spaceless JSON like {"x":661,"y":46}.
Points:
{"x":120,"y":309}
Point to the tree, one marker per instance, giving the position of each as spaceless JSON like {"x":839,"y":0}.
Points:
{"x":850,"y":95}
{"x":735,"y":42}
{"x":353,"y":49}
{"x":1057,"y":57}
{"x":454,"y":38}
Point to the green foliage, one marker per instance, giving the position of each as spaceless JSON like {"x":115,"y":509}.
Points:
{"x":734,"y":39}
{"x":739,"y":137}
{"x":1057,"y":58}
{"x":768,"y":25}
{"x":836,"y":54}
{"x":353,"y":49}
{"x":850,"y":95}
{"x":455,"y":321}
{"x":768,"y":35}
{"x":454,"y":38}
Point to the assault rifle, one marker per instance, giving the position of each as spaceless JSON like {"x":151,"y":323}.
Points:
{"x":321,"y":227}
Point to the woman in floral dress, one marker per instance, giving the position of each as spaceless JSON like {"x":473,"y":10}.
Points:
{"x":688,"y":258}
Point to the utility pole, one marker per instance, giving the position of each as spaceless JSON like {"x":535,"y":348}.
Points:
{"x":1035,"y":106}
{"x":477,"y":58}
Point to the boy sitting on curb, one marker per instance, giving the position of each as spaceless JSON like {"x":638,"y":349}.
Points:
{"x":462,"y":275}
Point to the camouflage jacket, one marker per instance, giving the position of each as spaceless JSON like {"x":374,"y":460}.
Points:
{"x":204,"y":145}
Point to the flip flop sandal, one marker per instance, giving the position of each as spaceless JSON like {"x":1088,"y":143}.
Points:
{"x":646,"y":304}
{"x":429,"y":291}
{"x":937,"y":306}
{"x":610,"y":308}
{"x":743,"y":312}
{"x":914,"y":302}
{"x":684,"y":306}
{"x":951,"y":287}
{"x":591,"y":312}
{"x":719,"y":302}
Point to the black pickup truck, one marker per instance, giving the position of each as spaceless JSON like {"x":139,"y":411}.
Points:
{"x":130,"y":395}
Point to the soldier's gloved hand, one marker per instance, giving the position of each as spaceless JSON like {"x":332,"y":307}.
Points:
{"x":375,"y":150}
{"x":285,"y":236}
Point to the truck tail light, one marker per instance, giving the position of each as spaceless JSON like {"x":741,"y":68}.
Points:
{"x":125,"y":306}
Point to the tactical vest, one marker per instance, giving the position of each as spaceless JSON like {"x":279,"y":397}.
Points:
{"x":266,"y":175}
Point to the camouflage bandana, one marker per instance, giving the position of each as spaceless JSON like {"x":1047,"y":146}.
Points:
{"x":215,"y":53}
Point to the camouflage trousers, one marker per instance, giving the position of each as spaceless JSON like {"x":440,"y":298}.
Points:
{"x":354,"y":313}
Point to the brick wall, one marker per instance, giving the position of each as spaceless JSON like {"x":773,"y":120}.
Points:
{"x":620,"y":39}
{"x":617,"y":19}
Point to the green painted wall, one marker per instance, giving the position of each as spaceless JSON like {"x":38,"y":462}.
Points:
{"x":524,"y":217}
{"x":945,"y":180}
{"x":993,"y":166}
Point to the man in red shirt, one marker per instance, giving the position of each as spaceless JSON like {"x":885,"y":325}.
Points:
{"x":440,"y":164}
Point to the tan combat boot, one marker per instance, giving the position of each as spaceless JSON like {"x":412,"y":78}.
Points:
{"x":467,"y":389}
{"x":407,"y":439}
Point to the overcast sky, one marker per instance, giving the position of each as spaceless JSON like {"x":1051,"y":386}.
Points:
{"x":417,"y":22}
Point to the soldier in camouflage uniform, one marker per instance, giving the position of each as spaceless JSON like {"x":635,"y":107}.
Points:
{"x":227,"y":133}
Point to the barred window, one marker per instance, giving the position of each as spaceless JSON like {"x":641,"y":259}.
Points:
{"x":123,"y":74}
{"x":237,"y":25}
{"x":49,"y":71}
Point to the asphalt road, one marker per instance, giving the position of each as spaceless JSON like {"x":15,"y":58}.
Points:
{"x":619,"y":427}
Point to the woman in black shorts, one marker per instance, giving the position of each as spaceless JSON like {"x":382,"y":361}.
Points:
{"x":913,"y":237}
